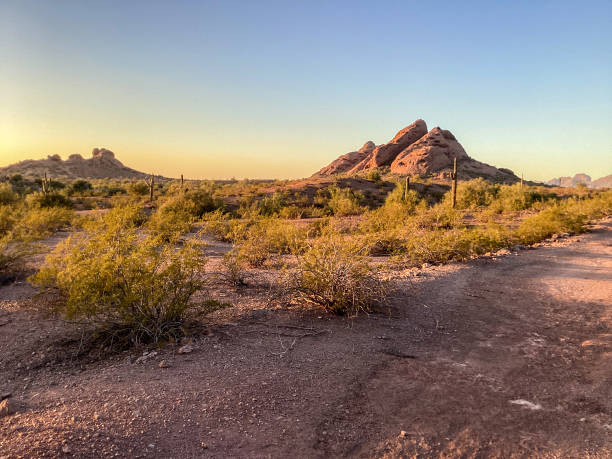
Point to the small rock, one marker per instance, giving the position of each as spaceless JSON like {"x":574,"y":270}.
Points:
{"x":186,"y":349}
{"x":203,"y":445}
{"x":502,"y":252}
{"x":516,"y":248}
{"x":425,"y":265}
{"x":96,"y":416}
{"x":163,"y":364}
{"x":6,"y":408}
{"x":527,"y":404}
{"x":403,"y":434}
{"x":66,"y":449}
{"x":146,"y":356}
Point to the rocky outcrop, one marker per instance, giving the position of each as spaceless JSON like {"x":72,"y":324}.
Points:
{"x":384,"y":154}
{"x":348,"y":161}
{"x":102,"y":164}
{"x":432,"y":153}
{"x":602,"y":182}
{"x":414,"y":151}
{"x":570,"y":182}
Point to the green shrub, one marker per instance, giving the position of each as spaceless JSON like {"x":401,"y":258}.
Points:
{"x":39,"y":223}
{"x":334,"y":273}
{"x":440,"y":246}
{"x":138,"y":188}
{"x":12,"y":256}
{"x":7,"y":195}
{"x":257,"y":240}
{"x":344,"y":201}
{"x":475,"y":193}
{"x":8,"y":219}
{"x":47,"y":200}
{"x":131,"y":286}
{"x":80,"y":187}
{"x":374,"y":176}
{"x":544,"y":224}
{"x":234,"y":264}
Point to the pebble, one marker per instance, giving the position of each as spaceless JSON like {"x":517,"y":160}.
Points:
{"x":6,"y":408}
{"x":186,"y":349}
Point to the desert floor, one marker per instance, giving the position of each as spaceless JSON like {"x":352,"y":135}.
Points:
{"x":501,"y":357}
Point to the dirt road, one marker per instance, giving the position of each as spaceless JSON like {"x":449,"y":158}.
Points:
{"x":493,"y":358}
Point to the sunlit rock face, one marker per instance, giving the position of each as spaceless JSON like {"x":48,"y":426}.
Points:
{"x":415,"y":151}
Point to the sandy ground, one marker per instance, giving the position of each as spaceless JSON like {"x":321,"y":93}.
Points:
{"x":494,"y":358}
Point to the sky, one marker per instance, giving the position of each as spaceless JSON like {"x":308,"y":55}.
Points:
{"x":278,"y":89}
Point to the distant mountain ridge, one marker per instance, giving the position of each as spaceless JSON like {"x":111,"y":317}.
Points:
{"x":416,"y":151}
{"x":102,"y":164}
{"x":569,"y":182}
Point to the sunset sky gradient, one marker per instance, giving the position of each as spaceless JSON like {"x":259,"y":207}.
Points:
{"x":265,"y":89}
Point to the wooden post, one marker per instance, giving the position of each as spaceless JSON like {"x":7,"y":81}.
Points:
{"x":406,"y":188}
{"x":454,"y":184}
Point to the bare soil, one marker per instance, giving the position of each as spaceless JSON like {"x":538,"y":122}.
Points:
{"x":500,"y":357}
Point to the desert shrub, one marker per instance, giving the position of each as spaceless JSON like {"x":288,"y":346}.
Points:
{"x":39,"y":223}
{"x":198,"y":202}
{"x":174,"y":217}
{"x":218,"y":225}
{"x":344,"y":201}
{"x":47,"y":200}
{"x":261,"y":238}
{"x":475,"y":193}
{"x":293,"y":212}
{"x":130,"y":286}
{"x":441,"y":246}
{"x":514,"y":198}
{"x":138,"y":188}
{"x":80,"y":187}
{"x":12,"y":256}
{"x":555,"y":219}
{"x":395,"y":213}
{"x":127,"y":216}
{"x":234,"y":265}
{"x":7,"y":195}
{"x":334,"y":273}
{"x":272,"y":205}
{"x":374,"y":176}
{"x":439,"y":216}
{"x":8,"y":219}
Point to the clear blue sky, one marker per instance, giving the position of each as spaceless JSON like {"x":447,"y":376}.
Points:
{"x":278,"y":89}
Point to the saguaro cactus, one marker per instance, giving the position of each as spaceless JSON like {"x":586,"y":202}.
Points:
{"x":45,"y":184}
{"x":406,"y":188}
{"x":454,"y":184}
{"x":151,"y":183}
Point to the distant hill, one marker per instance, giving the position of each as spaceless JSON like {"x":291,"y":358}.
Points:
{"x":603,"y":182}
{"x":102,"y":164}
{"x":416,"y":151}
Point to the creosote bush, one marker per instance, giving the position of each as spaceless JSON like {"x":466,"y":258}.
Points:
{"x":335,"y":274}
{"x":130,"y":285}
